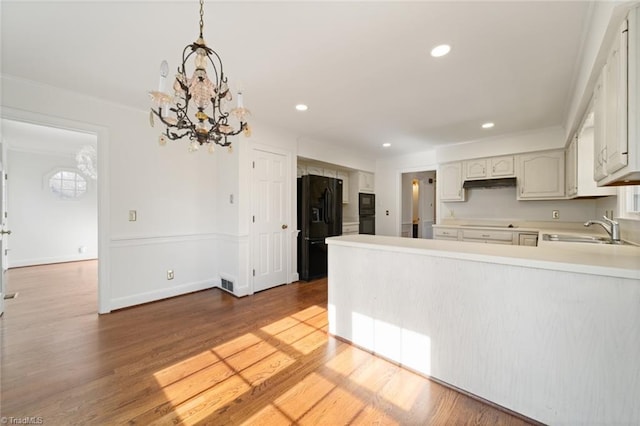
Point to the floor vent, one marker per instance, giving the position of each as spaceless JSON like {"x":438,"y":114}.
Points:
{"x":227,"y":285}
{"x":10,"y":296}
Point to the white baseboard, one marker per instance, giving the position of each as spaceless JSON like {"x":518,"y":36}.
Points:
{"x":48,"y":260}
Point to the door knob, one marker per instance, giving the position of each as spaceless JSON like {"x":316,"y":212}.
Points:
{"x":285,"y":226}
{"x":2,"y":232}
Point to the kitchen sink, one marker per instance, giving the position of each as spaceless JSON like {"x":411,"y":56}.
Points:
{"x":577,"y":238}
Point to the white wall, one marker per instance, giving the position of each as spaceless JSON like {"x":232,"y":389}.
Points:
{"x":46,"y":228}
{"x":173,"y":191}
{"x":186,"y":222}
{"x":334,"y":154}
{"x":534,"y":140}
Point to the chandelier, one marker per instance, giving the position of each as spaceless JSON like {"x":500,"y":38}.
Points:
{"x":200,"y":106}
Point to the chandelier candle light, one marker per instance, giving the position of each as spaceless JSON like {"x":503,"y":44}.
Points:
{"x":209,"y":123}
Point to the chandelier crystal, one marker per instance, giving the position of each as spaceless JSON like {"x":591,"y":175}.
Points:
{"x":200,"y":106}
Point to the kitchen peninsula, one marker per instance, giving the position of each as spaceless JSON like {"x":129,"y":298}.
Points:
{"x":551,"y":332}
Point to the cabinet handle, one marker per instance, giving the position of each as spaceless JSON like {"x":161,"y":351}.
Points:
{"x":485,"y":236}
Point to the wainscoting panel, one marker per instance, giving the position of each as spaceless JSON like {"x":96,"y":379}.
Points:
{"x":145,"y":266}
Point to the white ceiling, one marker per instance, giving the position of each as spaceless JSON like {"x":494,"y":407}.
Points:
{"x":363,"y":68}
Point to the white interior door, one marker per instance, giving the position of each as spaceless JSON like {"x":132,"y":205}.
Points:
{"x":4,"y":233}
{"x":270,"y":211}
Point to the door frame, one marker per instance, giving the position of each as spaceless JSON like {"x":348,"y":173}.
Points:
{"x":102,"y":135}
{"x":289,"y":254}
{"x":398,"y":175}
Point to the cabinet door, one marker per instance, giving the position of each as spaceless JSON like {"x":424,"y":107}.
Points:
{"x":541,"y":175}
{"x":476,"y":169}
{"x":440,"y":233}
{"x":599,"y":129}
{"x":502,"y":166}
{"x":450,"y":178}
{"x":572,"y":168}
{"x":365,"y":182}
{"x":616,"y":104}
{"x":528,"y":240}
{"x":345,"y":186}
{"x":315,"y":170}
{"x":330,"y":173}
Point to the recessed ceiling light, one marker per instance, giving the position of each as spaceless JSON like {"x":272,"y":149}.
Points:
{"x":441,"y":50}
{"x":487,"y":125}
{"x":386,"y":144}
{"x":302,"y":107}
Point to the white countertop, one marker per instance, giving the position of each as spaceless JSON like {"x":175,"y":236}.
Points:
{"x":621,"y":261}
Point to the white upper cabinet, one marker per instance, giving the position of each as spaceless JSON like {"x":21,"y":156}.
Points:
{"x":571,"y":168}
{"x":502,"y":166}
{"x":487,"y":168}
{"x":599,"y":137}
{"x":475,"y":169}
{"x":541,"y":175}
{"x":345,"y":185}
{"x":616,"y":105}
{"x":366,"y":182}
{"x":580,"y":181}
{"x":450,"y":179}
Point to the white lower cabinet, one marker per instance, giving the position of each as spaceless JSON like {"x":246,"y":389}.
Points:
{"x":440,"y":233}
{"x":487,"y":236}
{"x":527,"y":239}
{"x":351,"y":228}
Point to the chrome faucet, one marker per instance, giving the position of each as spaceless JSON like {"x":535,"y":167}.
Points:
{"x":611,"y":226}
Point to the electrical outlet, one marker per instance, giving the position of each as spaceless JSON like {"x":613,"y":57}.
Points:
{"x":170,"y":274}
{"x":555,"y":214}
{"x":133,"y":215}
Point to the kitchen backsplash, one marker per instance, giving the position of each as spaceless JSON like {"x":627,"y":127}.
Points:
{"x":501,"y":203}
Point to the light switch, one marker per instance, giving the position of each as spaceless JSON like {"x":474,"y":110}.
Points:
{"x":133,"y":215}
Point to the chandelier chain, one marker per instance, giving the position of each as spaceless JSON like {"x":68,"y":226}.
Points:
{"x":201,"y":16}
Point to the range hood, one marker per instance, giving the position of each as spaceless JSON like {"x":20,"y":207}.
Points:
{"x":490,"y":183}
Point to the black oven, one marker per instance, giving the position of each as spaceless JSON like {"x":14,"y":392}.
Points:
{"x":367,"y":213}
{"x":367,"y":225}
{"x":366,"y":204}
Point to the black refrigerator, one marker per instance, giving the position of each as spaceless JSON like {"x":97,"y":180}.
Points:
{"x":319,"y":217}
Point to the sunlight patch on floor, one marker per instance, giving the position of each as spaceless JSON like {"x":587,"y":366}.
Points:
{"x":295,"y":402}
{"x":204,"y":383}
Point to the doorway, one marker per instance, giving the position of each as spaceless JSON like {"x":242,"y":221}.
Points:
{"x":56,"y":182}
{"x":418,"y":204}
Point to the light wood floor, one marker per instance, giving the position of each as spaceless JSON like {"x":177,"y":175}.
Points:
{"x":202,"y":358}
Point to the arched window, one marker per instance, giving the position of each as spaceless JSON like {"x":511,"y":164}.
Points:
{"x":67,"y":184}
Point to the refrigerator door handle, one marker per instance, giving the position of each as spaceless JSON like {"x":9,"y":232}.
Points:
{"x":330,"y":206}
{"x":325,"y":205}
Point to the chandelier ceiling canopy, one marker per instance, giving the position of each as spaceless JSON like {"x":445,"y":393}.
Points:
{"x":200,"y":106}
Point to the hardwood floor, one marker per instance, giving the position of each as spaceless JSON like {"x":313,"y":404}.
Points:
{"x":202,"y":358}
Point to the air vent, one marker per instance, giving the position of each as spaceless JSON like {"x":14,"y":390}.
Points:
{"x":227,"y":284}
